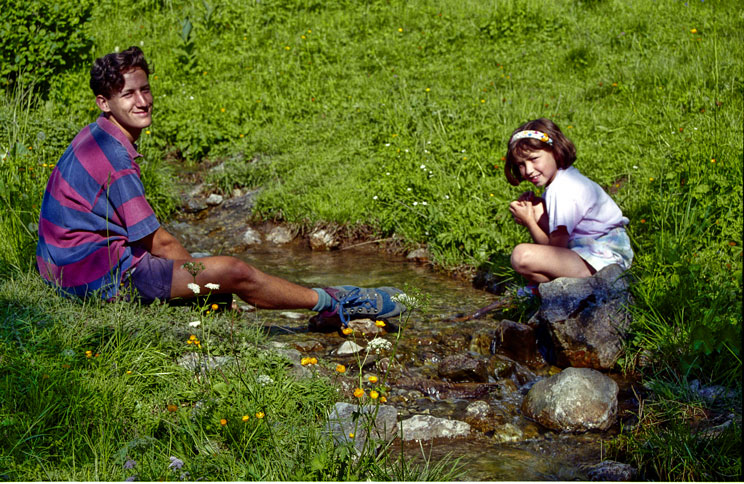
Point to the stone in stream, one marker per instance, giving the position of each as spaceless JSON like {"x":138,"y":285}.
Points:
{"x":517,"y":341}
{"x":427,"y":427}
{"x":323,"y":239}
{"x":463,"y":367}
{"x":501,"y":367}
{"x":418,"y":255}
{"x":348,"y":348}
{"x":355,"y":423}
{"x":251,"y":236}
{"x":214,"y":199}
{"x":574,"y":400}
{"x":280,"y":235}
{"x":479,"y":416}
{"x":610,"y":470}
{"x":583,"y":322}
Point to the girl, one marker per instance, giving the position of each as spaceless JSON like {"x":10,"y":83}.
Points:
{"x":576,"y":227}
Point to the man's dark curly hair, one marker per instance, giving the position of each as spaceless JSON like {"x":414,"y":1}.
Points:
{"x":107,"y":73}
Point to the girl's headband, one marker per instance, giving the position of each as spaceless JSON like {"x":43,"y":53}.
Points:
{"x":533,"y":134}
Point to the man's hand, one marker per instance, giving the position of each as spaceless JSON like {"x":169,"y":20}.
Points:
{"x":162,"y":244}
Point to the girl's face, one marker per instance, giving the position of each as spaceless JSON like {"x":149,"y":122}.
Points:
{"x":538,"y":167}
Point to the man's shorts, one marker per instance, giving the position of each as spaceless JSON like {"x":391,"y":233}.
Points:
{"x":611,"y":248}
{"x":151,"y":278}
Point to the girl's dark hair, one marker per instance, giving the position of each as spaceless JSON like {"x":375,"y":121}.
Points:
{"x":563,"y":149}
{"x":107,"y":73}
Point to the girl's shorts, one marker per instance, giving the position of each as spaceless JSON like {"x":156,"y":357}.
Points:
{"x":611,"y":248}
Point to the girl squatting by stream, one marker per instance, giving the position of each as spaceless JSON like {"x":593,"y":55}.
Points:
{"x":576,"y":227}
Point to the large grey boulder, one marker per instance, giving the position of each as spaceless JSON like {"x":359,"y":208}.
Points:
{"x":586,"y":319}
{"x":357,"y":423}
{"x":574,"y":400}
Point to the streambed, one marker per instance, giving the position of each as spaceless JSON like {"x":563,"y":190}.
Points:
{"x":508,"y":447}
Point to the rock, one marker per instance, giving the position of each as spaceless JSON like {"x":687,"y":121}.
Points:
{"x":575,"y":400}
{"x":584,"y":320}
{"x":323,"y":239}
{"x":236,"y":193}
{"x":241,"y":201}
{"x":515,"y":340}
{"x":610,"y":470}
{"x":353,"y":423}
{"x":418,"y":255}
{"x":193,"y":205}
{"x":480,"y":341}
{"x":292,"y":315}
{"x":501,"y":367}
{"x":251,"y":236}
{"x":365,"y":327}
{"x":214,"y":199}
{"x":308,"y":346}
{"x":195,"y":361}
{"x":426,"y":427}
{"x":463,"y":367}
{"x":479,"y":416}
{"x":280,"y":235}
{"x":507,"y":433}
{"x":348,"y":348}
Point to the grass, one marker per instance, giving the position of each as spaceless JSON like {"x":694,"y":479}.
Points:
{"x":392,"y":118}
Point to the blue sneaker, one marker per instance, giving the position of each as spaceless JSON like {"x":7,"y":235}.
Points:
{"x":528,"y":291}
{"x":351,"y":302}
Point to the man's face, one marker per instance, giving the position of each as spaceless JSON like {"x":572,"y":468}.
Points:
{"x":131,"y":108}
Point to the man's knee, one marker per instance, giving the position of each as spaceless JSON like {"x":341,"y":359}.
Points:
{"x":237,"y":273}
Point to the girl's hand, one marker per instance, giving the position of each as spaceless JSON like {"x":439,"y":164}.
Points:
{"x":522,"y":211}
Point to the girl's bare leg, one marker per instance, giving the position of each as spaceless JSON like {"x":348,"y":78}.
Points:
{"x":543,"y":263}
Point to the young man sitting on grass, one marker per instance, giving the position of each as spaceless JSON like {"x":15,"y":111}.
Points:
{"x":98,"y":234}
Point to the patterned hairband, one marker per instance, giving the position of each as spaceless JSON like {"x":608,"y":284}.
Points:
{"x":533,"y":134}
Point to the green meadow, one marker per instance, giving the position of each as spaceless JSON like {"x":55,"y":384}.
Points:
{"x":387,"y":119}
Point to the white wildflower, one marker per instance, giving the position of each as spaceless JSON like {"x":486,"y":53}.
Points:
{"x":415,"y":203}
{"x":194,"y":287}
{"x":264,"y":380}
{"x":194,"y":324}
{"x":191,"y":97}
{"x":409,"y":189}
{"x":387,"y":144}
{"x":446,"y":197}
{"x":142,"y":43}
{"x":405,"y":299}
{"x":635,"y":167}
{"x":116,"y":49}
{"x":211,"y":286}
{"x":423,"y":203}
{"x":379,"y":344}
{"x":388,"y":173}
{"x":374,"y":198}
{"x":422,"y":166}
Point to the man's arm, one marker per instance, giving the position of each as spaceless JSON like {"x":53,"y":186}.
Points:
{"x":162,"y":244}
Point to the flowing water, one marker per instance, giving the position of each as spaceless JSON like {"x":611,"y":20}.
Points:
{"x":509,"y":448}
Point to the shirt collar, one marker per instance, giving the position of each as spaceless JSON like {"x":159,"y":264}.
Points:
{"x":112,"y":129}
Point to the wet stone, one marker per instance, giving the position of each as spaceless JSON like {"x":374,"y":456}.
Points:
{"x":348,"y":348}
{"x":575,"y":400}
{"x":193,"y":205}
{"x":251,"y":236}
{"x":280,"y":235}
{"x":418,"y":255}
{"x":366,"y":327}
{"x":463,"y":367}
{"x":350,"y":423}
{"x":195,"y":361}
{"x":479,"y":416}
{"x":214,"y":199}
{"x":308,"y":346}
{"x":507,"y":433}
{"x":427,"y":427}
{"x":610,"y":470}
{"x":515,"y":340}
{"x":323,"y":240}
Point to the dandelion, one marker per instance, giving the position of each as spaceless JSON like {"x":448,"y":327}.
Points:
{"x":428,"y":90}
{"x":286,"y":47}
{"x":359,"y":393}
{"x":222,"y":110}
{"x":194,"y":287}
{"x":195,"y":324}
{"x":341,"y":368}
{"x":260,"y":415}
{"x":693,"y":31}
{"x":246,"y":418}
{"x":372,"y":379}
{"x":147,"y":132}
{"x":351,"y":435}
{"x":651,"y":179}
{"x":400,"y":30}
{"x":223,"y":422}
{"x":347,"y":331}
{"x":129,"y":372}
{"x":380,"y":324}
{"x":373,"y":395}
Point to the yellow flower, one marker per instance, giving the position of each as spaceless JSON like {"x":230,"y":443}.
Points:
{"x":372,"y":379}
{"x":400,"y":30}
{"x":373,"y":395}
{"x":351,"y":435}
{"x":246,"y":418}
{"x":204,"y":73}
{"x":347,"y":331}
{"x":303,"y":37}
{"x":713,"y":160}
{"x":286,"y":47}
{"x":88,"y":354}
{"x":147,"y":132}
{"x":651,"y":179}
{"x":313,"y":361}
{"x":341,"y":368}
{"x":260,"y":415}
{"x":172,"y":408}
{"x":222,"y":109}
{"x":214,"y":307}
{"x":129,"y":372}
{"x":241,"y":135}
{"x":427,"y":89}
{"x":188,"y":342}
{"x":223,"y":422}
{"x":380,"y":324}
{"x":192,"y":337}
{"x":383,"y":399}
{"x":483,"y":100}
{"x":693,"y":31}
{"x":359,"y":393}
{"x":305,"y":361}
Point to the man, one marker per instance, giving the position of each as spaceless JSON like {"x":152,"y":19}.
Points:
{"x":98,"y":233}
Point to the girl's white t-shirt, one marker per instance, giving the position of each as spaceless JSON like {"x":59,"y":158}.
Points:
{"x":581,"y":205}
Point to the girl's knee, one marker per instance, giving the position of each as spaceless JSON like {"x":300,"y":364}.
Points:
{"x":521,"y":257}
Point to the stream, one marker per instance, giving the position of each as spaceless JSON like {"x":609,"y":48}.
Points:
{"x":509,"y":447}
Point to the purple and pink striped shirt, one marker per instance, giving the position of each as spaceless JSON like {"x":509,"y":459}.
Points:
{"x":93,"y":209}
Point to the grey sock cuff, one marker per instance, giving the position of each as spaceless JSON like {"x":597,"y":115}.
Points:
{"x":324,"y":300}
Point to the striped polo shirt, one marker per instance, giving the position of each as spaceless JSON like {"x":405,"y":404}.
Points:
{"x":94,"y":207}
